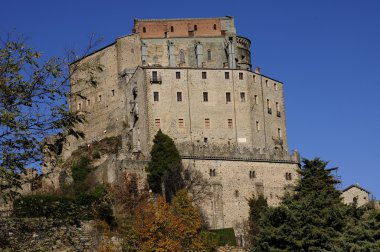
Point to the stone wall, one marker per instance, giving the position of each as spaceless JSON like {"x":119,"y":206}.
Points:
{"x":233,"y":182}
{"x":40,"y":234}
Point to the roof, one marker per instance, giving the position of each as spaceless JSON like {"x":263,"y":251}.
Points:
{"x":357,"y":186}
{"x":178,"y":19}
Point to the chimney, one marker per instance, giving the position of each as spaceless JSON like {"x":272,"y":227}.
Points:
{"x":258,"y":70}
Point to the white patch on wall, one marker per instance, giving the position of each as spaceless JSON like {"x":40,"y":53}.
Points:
{"x":242,"y":140}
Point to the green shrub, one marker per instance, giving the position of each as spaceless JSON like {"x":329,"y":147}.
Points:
{"x":80,"y":170}
{"x":226,"y":236}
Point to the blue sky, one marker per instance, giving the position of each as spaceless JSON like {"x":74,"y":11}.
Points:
{"x":326,"y":52}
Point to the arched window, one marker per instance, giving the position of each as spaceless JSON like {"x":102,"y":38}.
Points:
{"x":171,"y":28}
{"x":195,"y":27}
{"x":144,"y":29}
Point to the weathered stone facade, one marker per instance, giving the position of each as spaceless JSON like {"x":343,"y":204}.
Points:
{"x":192,"y":79}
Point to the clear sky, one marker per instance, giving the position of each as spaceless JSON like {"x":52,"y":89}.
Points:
{"x":326,"y":52}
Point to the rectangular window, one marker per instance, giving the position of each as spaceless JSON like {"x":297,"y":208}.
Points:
{"x":269,"y":108}
{"x":256,"y":99}
{"x":242,"y":96}
{"x":240,"y":76}
{"x":205,"y":139}
{"x":266,"y":83}
{"x":279,"y":134}
{"x":229,"y":123}
{"x":179,"y":96}
{"x":157,"y":123}
{"x":254,"y":78}
{"x":181,"y":123}
{"x":205,"y":96}
{"x":226,"y":75}
{"x":154,"y":76}
{"x":228,"y":97}
{"x":278,"y":109}
{"x":275,"y":86}
{"x":178,"y":75}
{"x":156,"y":96}
{"x":209,"y":54}
{"x":207,"y":123}
{"x":113,"y":92}
{"x":204,"y":75}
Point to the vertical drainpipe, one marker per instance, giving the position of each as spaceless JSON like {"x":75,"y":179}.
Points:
{"x":233,"y":92}
{"x":262,"y":98}
{"x":188,"y":98}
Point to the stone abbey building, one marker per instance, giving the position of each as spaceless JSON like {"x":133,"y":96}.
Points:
{"x":192,"y":78}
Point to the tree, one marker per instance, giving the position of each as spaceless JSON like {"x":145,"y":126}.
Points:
{"x":312,"y":218}
{"x":33,"y":105}
{"x":257,"y":207}
{"x":165,"y":167}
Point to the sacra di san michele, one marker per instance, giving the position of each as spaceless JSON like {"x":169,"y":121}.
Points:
{"x":193,"y":79}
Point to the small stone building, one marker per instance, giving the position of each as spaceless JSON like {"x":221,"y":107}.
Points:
{"x":354,"y":194}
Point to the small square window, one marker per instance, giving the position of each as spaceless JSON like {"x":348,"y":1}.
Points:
{"x":242,"y":96}
{"x":228,"y":97}
{"x":178,"y":75}
{"x":157,"y":123}
{"x":179,"y":96}
{"x":226,"y":75}
{"x":204,"y":75}
{"x":205,"y":96}
{"x":229,"y":123}
{"x":207,"y":123}
{"x":240,"y":76}
{"x":181,"y":123}
{"x":156,"y":96}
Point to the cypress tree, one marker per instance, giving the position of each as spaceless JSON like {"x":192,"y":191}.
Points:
{"x":165,"y":167}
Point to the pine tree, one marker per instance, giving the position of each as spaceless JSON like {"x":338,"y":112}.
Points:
{"x":165,"y":167}
{"x":312,"y":218}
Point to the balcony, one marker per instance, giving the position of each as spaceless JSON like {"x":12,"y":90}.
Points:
{"x":155,"y":79}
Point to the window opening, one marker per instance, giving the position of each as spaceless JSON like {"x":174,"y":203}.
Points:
{"x":228,"y":97}
{"x":204,"y":75}
{"x":156,"y":96}
{"x":179,"y":96}
{"x":229,"y":123}
{"x":226,"y":75}
{"x":242,"y":96}
{"x":207,"y":123}
{"x":205,"y":96}
{"x":157,"y":122}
